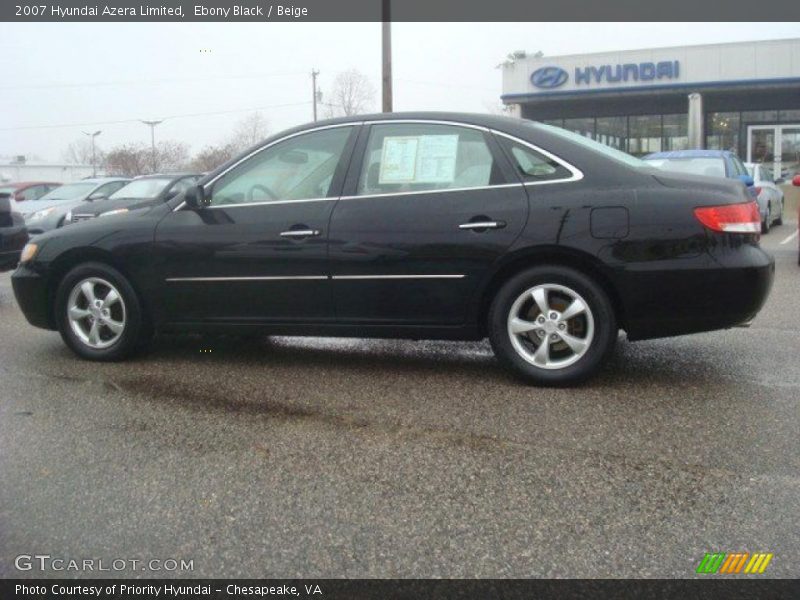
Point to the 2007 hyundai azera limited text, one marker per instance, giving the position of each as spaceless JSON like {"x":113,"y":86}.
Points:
{"x":421,"y":226}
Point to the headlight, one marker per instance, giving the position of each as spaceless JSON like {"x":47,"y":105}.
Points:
{"x":41,"y":214}
{"x":28,"y":252}
{"x":118,"y":211}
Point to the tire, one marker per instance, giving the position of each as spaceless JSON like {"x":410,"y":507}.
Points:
{"x":131,"y":329}
{"x":560,"y":287}
{"x":765,"y":222}
{"x":779,"y":220}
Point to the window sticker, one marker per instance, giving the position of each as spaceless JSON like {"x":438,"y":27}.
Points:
{"x":399,"y":160}
{"x":419,"y":159}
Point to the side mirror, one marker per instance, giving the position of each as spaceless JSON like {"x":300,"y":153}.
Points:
{"x":747,"y":180}
{"x":796,"y":180}
{"x":195,"y":197}
{"x":97,"y":196}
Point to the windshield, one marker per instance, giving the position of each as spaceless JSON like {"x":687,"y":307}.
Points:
{"x":714,"y":167}
{"x":608,"y":151}
{"x":142,"y":188}
{"x":70,"y":191}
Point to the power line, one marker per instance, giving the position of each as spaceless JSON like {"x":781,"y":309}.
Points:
{"x":183,"y":116}
{"x":142,"y":81}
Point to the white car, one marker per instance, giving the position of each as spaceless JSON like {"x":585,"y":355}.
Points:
{"x":770,"y":196}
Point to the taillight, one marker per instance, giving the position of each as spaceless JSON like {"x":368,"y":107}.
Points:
{"x":730,"y":218}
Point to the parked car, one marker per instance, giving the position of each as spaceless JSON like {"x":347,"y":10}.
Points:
{"x":140,"y":193}
{"x":712,"y":163}
{"x":414,"y":225}
{"x":13,"y":235}
{"x":49,"y":211}
{"x":769,"y":195}
{"x":27,"y":190}
{"x":796,"y":183}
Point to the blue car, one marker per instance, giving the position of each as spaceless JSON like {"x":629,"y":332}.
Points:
{"x":714,"y":163}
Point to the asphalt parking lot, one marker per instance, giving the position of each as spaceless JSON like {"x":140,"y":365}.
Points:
{"x":354,"y":458}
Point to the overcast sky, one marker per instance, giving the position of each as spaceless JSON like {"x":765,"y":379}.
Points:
{"x":75,"y":74}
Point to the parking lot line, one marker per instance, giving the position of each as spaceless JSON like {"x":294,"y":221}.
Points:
{"x":790,"y":238}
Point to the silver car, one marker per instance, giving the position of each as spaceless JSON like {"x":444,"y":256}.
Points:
{"x":770,"y":196}
{"x":48,"y":212}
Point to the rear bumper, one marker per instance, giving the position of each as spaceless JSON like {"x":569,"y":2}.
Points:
{"x":30,"y":290}
{"x":702,"y":296}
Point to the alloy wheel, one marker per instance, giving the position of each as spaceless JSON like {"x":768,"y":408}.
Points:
{"x":551,"y":326}
{"x":96,"y":312}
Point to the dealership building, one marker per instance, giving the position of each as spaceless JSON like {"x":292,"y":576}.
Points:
{"x":743,"y":97}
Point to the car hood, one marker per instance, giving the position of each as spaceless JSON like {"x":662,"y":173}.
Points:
{"x":31,"y":206}
{"x":103,"y":206}
{"x":62,"y":207}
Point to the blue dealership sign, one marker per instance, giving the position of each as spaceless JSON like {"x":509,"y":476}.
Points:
{"x":549,"y":77}
{"x":552,"y":77}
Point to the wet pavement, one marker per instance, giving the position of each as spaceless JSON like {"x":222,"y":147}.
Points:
{"x":291,"y":457}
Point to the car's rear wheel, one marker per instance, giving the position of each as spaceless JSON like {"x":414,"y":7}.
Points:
{"x":552,"y":325}
{"x":766,"y":222}
{"x":779,"y":220}
{"x":98,"y":313}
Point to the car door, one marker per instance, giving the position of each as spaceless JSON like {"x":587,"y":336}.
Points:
{"x":258,"y":251}
{"x":429,"y":207}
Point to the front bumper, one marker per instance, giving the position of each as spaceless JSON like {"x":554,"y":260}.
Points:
{"x":31,"y":292}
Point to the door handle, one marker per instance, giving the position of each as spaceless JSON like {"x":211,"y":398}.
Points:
{"x":298,"y":233}
{"x":483,"y":225}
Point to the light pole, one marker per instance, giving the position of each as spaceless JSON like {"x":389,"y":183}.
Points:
{"x":314,"y":74}
{"x":152,"y":125}
{"x":94,"y":163}
{"x":386,"y":44}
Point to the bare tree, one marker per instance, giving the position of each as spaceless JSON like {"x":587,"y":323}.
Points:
{"x":79,"y":152}
{"x":210,"y":157}
{"x":351,"y":94}
{"x":249,"y":131}
{"x":171,"y":156}
{"x":128,"y":160}
{"x":132,"y":160}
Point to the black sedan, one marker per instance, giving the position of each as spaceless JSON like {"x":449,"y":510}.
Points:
{"x":13,"y":234}
{"x":424,"y":225}
{"x":140,"y":193}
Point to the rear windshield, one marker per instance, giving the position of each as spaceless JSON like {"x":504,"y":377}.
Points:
{"x":10,"y":189}
{"x":715,"y":167}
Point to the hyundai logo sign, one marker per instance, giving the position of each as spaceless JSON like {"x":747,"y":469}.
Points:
{"x":549,"y":77}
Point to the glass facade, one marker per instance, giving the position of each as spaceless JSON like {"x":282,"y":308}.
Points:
{"x":637,"y":135}
{"x":728,"y":130}
{"x":643,"y":134}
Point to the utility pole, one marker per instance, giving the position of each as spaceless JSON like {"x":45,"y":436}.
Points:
{"x":152,"y":125}
{"x":314,"y":90}
{"x":387,"y":56}
{"x":94,"y":163}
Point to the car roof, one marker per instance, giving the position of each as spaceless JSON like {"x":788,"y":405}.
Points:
{"x":691,"y":154}
{"x":23,"y":184}
{"x":101,"y":179}
{"x":166,"y":176}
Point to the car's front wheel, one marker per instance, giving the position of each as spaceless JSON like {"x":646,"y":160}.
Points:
{"x":98,"y":313}
{"x":552,"y":325}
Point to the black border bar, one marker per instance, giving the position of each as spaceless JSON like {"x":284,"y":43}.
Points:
{"x":407,"y":589}
{"x":401,"y":10}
